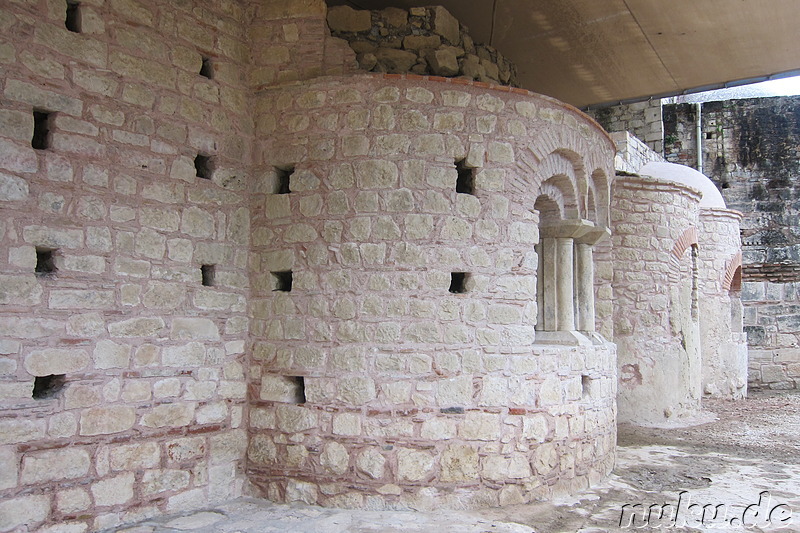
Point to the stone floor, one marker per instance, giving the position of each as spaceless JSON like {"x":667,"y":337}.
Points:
{"x":744,"y":465}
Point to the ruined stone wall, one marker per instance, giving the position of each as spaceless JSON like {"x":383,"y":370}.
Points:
{"x":656,"y":323}
{"x":378,"y":380}
{"x":122,"y":384}
{"x":642,"y":119}
{"x":751,"y":152}
{"x":421,"y":40}
{"x":723,"y":341}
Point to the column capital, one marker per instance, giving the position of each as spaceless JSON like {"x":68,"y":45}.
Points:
{"x":581,"y":230}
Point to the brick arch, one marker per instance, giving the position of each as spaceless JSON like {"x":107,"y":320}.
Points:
{"x":554,"y":194}
{"x":733,"y":274}
{"x":688,"y":238}
{"x":600,"y":187}
{"x":559,"y":171}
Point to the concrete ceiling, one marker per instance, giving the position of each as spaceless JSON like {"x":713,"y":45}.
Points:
{"x":590,"y":52}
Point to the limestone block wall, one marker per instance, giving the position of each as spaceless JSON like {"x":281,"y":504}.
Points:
{"x":723,"y":341}
{"x":124,"y":146}
{"x":420,"y":40}
{"x":632,"y":153}
{"x":395,"y":363}
{"x":642,"y":119}
{"x":656,"y":323}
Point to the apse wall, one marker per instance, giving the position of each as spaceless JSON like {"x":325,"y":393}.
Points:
{"x":724,"y":343}
{"x":395,"y":362}
{"x":656,"y":312}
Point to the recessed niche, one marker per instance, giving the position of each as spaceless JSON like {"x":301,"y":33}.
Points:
{"x":208,"y":273}
{"x":586,"y":386}
{"x":283,"y":177}
{"x":282,"y":281}
{"x":298,"y":389}
{"x":207,"y":68}
{"x":72,"y":21}
{"x":45,"y":387}
{"x":458,"y":282}
{"x":204,"y":166}
{"x":465,"y":183}
{"x":41,"y":130}
{"x":45,"y":262}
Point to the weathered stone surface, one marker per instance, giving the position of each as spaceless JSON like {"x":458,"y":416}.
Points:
{"x":443,"y":62}
{"x":56,"y":361}
{"x":372,"y":463}
{"x":20,"y":290}
{"x":113,"y":491}
{"x":459,"y":463}
{"x":169,"y":415}
{"x":12,"y":188}
{"x":194,"y":329}
{"x":23,"y":511}
{"x":157,"y":481}
{"x":395,"y":61}
{"x":107,"y":420}
{"x":413,"y":465}
{"x":135,"y":456}
{"x":136,"y":327}
{"x":335,"y":458}
{"x":446,"y":25}
{"x":345,"y":18}
{"x":109,"y":354}
{"x":191,"y":354}
{"x":51,"y":465}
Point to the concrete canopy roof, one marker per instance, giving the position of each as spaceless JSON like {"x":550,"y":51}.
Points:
{"x":590,"y":52}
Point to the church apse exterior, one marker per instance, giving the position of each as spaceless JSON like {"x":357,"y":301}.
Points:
{"x":233,"y":264}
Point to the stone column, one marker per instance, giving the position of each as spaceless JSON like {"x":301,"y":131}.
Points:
{"x":548,"y":284}
{"x":584,"y":286}
{"x":565,"y":308}
{"x":584,"y":277}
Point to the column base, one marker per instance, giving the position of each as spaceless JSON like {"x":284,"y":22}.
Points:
{"x":567,"y":338}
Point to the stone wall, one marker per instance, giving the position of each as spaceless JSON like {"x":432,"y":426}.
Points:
{"x":656,"y":315}
{"x":723,"y":341}
{"x":379,"y":380}
{"x":751,"y":152}
{"x":164,"y":304}
{"x":632,"y":153}
{"x":642,"y":119}
{"x":122,"y":384}
{"x":421,"y":40}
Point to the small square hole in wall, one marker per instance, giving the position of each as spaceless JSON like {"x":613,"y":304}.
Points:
{"x":207,"y":68}
{"x":458,"y":282}
{"x":45,"y":387}
{"x":45,"y":262}
{"x":73,"y":18}
{"x":465,"y":183}
{"x":41,"y":130}
{"x":299,"y":383}
{"x":208,"y":273}
{"x":204,"y":166}
{"x":282,"y":281}
{"x":283,"y":176}
{"x":586,"y":386}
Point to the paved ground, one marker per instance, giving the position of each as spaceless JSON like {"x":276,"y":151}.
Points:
{"x":740,"y":472}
